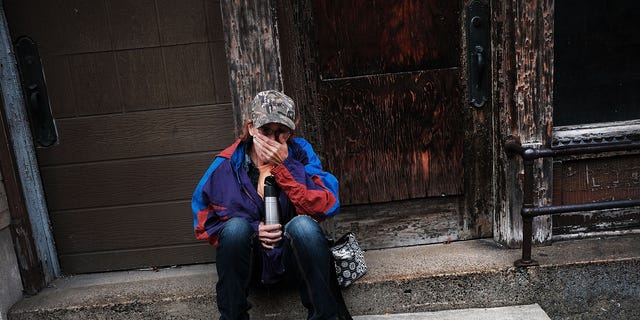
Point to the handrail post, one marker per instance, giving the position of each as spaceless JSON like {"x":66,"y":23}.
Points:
{"x":527,"y":220}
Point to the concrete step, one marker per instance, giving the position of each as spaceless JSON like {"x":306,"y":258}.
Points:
{"x":528,"y":312}
{"x":577,"y":279}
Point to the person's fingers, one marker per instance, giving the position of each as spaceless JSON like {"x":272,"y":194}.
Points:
{"x":263,"y":149}
{"x":270,"y":150}
{"x":270,"y":227}
{"x":268,"y":240}
{"x":269,"y":233}
{"x":266,"y":245}
{"x":271,"y":237}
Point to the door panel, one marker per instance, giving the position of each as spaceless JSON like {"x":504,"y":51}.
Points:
{"x":123,"y":182}
{"x":390,"y":97}
{"x":360,"y":37}
{"x":396,"y":136}
{"x":112,"y":226}
{"x":123,"y":259}
{"x":140,"y":134}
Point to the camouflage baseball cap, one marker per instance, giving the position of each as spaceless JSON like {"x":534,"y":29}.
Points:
{"x":273,"y":106}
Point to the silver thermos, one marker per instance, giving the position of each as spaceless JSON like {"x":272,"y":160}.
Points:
{"x":271,"y":212}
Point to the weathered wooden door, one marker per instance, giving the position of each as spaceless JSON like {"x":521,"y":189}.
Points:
{"x":383,"y":86}
{"x":139,"y":90}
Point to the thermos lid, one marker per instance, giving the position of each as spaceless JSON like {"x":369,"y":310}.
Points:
{"x":270,"y":187}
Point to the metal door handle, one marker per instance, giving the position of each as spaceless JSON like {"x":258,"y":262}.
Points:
{"x":478,"y":44}
{"x":43,"y":127}
{"x":479,"y":64}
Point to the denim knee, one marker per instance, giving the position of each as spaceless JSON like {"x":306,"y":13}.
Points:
{"x":304,"y":228}
{"x":236,"y":230}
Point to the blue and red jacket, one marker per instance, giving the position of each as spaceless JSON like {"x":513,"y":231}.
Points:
{"x":226,"y":191}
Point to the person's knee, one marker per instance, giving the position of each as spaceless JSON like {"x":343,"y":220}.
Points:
{"x":303,"y":227}
{"x":235,"y":230}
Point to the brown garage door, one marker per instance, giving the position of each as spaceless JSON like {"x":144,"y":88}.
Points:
{"x":139,"y":90}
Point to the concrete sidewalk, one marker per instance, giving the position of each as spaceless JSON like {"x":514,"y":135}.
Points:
{"x":528,"y":312}
{"x":578,"y":279}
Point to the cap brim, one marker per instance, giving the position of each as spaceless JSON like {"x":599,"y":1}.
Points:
{"x":275,"y":118}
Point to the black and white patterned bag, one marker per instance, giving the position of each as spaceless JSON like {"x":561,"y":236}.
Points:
{"x":349,"y":259}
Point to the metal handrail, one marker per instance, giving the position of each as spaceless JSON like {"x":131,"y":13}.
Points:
{"x":529,"y":210}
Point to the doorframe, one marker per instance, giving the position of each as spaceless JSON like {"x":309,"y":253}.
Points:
{"x":522,"y":65}
{"x":29,"y":264}
{"x":19,"y":136}
{"x":247,"y":25}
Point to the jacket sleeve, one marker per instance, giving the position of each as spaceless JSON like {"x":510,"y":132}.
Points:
{"x":311,"y":190}
{"x":206,"y":221}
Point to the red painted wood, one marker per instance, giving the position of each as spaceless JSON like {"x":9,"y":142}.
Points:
{"x":395,"y":137}
{"x":360,"y":37}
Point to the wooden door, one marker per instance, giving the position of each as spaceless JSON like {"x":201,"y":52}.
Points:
{"x":389,"y":97}
{"x":139,"y":90}
{"x":391,"y":111}
{"x":382,"y":85}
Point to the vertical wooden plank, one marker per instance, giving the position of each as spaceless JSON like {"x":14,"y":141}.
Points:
{"x":249,"y":25}
{"x":522,"y":38}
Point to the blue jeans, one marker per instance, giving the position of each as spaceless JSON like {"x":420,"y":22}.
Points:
{"x":307,"y":265}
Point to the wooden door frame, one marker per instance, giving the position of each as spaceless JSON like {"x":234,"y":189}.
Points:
{"x":32,"y":198}
{"x":522,"y":64}
{"x":252,"y":49}
{"x":29,"y":264}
